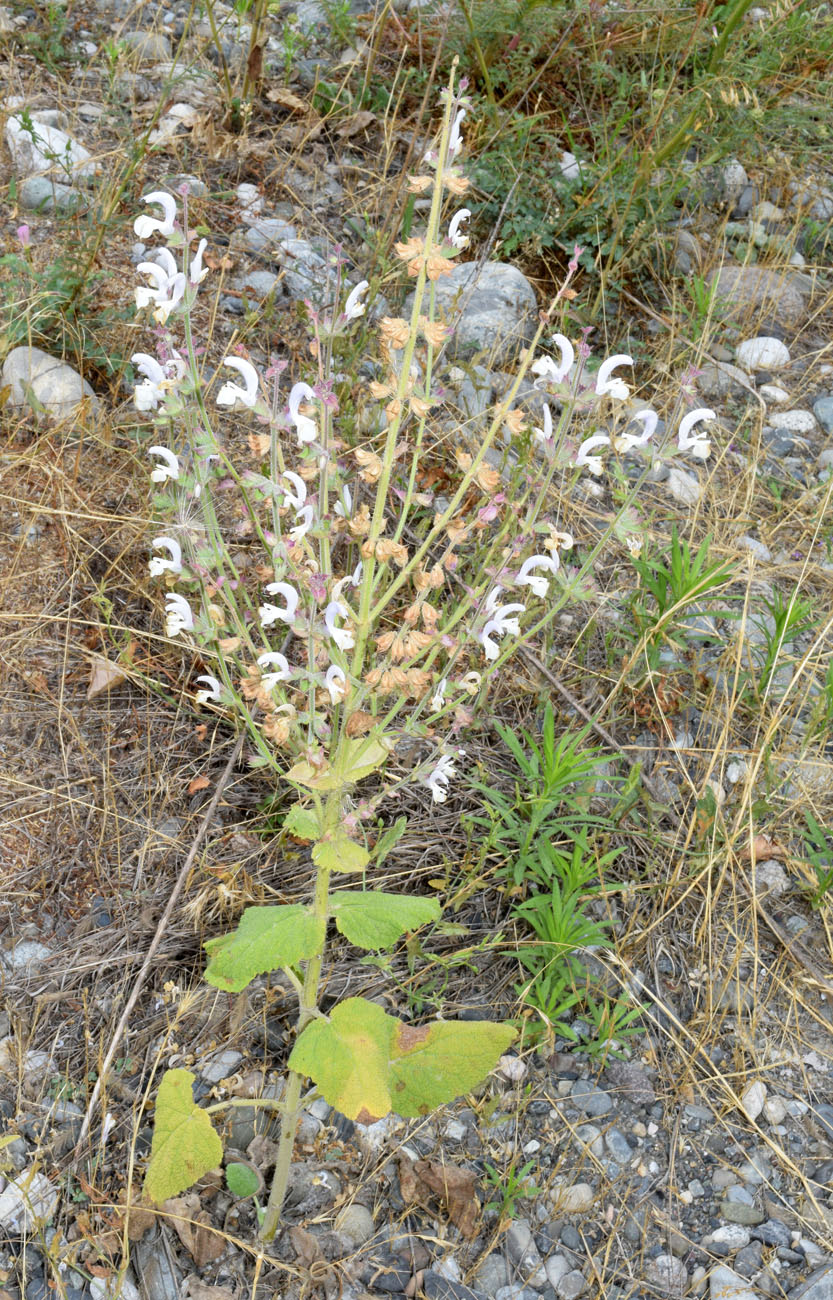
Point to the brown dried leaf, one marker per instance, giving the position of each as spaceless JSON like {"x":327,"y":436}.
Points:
{"x":356,"y":123}
{"x":761,"y":849}
{"x":139,"y":1221}
{"x":426,"y":1180}
{"x":194,"y":1229}
{"x":287,"y":99}
{"x":103,"y":675}
{"x":305,"y":1245}
{"x":193,"y":1288}
{"x":198,"y":783}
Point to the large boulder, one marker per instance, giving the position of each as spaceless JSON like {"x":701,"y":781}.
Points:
{"x":492,"y":307}
{"x":53,"y":384}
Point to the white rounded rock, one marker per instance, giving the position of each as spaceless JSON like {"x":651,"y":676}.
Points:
{"x":762,"y":353}
{"x":797,"y":421}
{"x":53,"y":384}
{"x":773,"y":395}
{"x":775,"y":1110}
{"x":752,"y":1099}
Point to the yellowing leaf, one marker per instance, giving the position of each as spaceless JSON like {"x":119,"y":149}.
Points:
{"x":367,"y":1063}
{"x":184,"y":1145}
{"x":359,"y":757}
{"x":266,"y":938}
{"x":316,"y":778}
{"x":340,"y":853}
{"x":302,"y":822}
{"x":376,"y":920}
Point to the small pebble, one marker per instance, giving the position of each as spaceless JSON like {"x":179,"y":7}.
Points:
{"x":753,"y":1098}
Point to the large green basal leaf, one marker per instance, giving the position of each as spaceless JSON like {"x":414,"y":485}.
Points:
{"x":366,"y":1063}
{"x":266,"y":938}
{"x":184,"y":1145}
{"x":376,"y":921}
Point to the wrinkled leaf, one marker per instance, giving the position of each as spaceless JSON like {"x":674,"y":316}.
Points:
{"x":426,"y":1180}
{"x":266,"y":938}
{"x":184,"y":1145}
{"x":367,"y":1063}
{"x":340,"y":853}
{"x":376,"y":920}
{"x":242,"y":1180}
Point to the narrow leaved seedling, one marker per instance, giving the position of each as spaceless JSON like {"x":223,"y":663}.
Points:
{"x":364,"y":621}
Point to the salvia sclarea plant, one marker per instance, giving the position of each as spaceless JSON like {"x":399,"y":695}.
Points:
{"x":369,"y":620}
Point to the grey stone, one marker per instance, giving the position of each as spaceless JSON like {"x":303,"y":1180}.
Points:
{"x":744,"y":289}
{"x":306,"y":274}
{"x":493,"y":309}
{"x":437,"y":1287}
{"x":556,"y":1267}
{"x":257,"y":284}
{"x":147,"y":47}
{"x":823,"y":411}
{"x":733,"y":1235}
{"x":726,"y":1284}
{"x":27,"y":957}
{"x":749,"y":1260}
{"x":618,"y":1146}
{"x":521,"y":1248}
{"x":573,"y":1199}
{"x":492,"y":1273}
{"x":779,"y":443}
{"x":739,"y":1195}
{"x":818,"y":1286}
{"x":220,"y":1066}
{"x":267,"y":233}
{"x":746,"y":201}
{"x":667,"y":1274}
{"x":54,"y":384}
{"x":41,"y":194}
{"x":587,"y":1135}
{"x":45,"y":148}
{"x":739,"y":1212}
{"x":592,"y":1100}
{"x":27,"y":1203}
{"x":571,"y":1286}
{"x":724,"y":380}
{"x":798,"y":421}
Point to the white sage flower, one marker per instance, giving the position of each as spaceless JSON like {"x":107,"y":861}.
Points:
{"x":454,"y":236}
{"x":145,"y":226}
{"x":583,"y":457}
{"x":270,"y":613}
{"x":503,"y":621}
{"x":297,"y":498}
{"x":550,"y":372}
{"x":336,"y":683}
{"x":344,"y":506}
{"x":455,"y":140}
{"x":438,"y":698}
{"x":168,"y":285}
{"x":305,"y":515}
{"x":699,"y":448}
{"x":545,"y":434}
{"x":615,"y":387}
{"x":274,"y":659}
{"x":343,"y":637}
{"x":158,"y":564}
{"x":437,"y":781}
{"x":353,"y":308}
{"x":212,"y":692}
{"x":230,"y":393}
{"x":625,"y":441}
{"x":306,"y":429}
{"x":169,"y":469}
{"x":529,"y":578}
{"x":178,"y":616}
{"x":196,"y":271}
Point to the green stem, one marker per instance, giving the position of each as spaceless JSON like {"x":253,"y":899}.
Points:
{"x":307,"y":1010}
